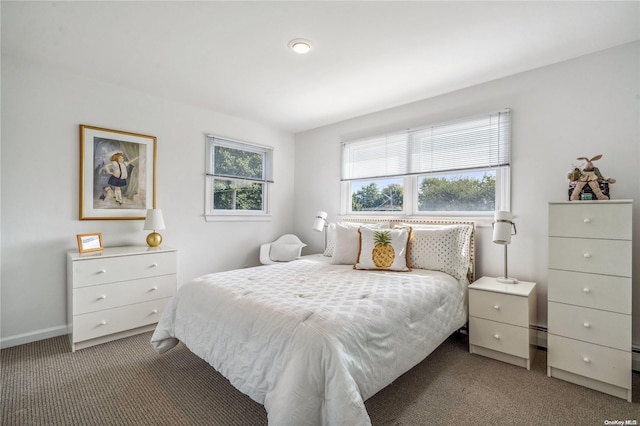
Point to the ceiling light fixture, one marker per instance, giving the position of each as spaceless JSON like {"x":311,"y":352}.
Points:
{"x":300,"y":45}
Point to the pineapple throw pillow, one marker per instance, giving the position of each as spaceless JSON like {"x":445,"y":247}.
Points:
{"x":384,"y":249}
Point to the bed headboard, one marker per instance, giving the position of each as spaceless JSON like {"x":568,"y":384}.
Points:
{"x":426,"y":221}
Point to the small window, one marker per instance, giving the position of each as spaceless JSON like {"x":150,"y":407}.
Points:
{"x":238,"y":179}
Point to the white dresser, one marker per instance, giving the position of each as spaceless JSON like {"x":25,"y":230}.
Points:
{"x":118,"y":292}
{"x":499,"y":318}
{"x":589,"y":294}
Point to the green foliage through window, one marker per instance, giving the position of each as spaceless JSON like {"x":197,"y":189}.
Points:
{"x":238,"y":175}
{"x":370,"y":197}
{"x":237,"y":195}
{"x":238,"y":163}
{"x":457,"y":193}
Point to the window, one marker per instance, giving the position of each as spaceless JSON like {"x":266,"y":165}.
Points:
{"x":455,"y":168}
{"x":238,"y":178}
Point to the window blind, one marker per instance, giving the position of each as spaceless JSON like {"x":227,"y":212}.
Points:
{"x":470,"y":143}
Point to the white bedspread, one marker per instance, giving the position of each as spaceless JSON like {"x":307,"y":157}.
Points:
{"x":310,"y":340}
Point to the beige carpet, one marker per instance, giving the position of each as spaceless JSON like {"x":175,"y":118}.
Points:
{"x":126,"y":383}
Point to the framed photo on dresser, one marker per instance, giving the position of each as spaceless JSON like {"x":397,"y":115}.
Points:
{"x":117,"y":174}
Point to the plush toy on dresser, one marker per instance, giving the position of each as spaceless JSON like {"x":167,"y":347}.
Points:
{"x":588,"y":182}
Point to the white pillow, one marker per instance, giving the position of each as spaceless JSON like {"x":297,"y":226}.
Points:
{"x":442,"y":248}
{"x":390,"y":255}
{"x":347,"y":241}
{"x":331,"y":240}
{"x":281,"y":252}
{"x":346,"y":244}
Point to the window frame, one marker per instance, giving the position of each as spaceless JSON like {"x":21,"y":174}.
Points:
{"x":212,"y":214}
{"x":411,"y":183}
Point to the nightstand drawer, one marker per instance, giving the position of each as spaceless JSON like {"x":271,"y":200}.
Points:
{"x":590,"y":220}
{"x":499,"y":337}
{"x":589,"y":360}
{"x":102,"y":323}
{"x":102,"y":270}
{"x":590,"y":290}
{"x":501,"y":307}
{"x":608,"y":257}
{"x":590,"y":325}
{"x":107,"y":296}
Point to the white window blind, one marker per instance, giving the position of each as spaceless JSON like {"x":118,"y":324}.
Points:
{"x":470,"y":143}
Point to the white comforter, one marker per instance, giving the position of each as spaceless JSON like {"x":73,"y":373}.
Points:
{"x":309,"y":340}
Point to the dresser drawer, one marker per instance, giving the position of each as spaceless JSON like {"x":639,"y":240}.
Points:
{"x":609,"y":257}
{"x":500,"y":307}
{"x":499,"y":337}
{"x":604,"y":292}
{"x":597,"y":362}
{"x":102,"y":270}
{"x":107,"y":296}
{"x":590,"y":325}
{"x":109,"y":321}
{"x":590,"y":220}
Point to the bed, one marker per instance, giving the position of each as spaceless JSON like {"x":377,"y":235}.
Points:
{"x":314,"y":338}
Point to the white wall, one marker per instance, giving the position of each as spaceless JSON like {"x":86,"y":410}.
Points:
{"x":582,"y":107}
{"x":41,"y":111}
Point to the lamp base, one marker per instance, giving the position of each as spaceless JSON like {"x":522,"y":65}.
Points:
{"x":154,"y":239}
{"x":507,"y":280}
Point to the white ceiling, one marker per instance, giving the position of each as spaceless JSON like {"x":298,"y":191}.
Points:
{"x":232,"y":57}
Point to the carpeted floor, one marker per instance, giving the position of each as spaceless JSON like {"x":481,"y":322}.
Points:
{"x":126,"y":383}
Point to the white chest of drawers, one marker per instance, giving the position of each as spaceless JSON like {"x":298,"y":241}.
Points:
{"x":117,"y":292}
{"x":499,"y":318}
{"x":589,"y":294}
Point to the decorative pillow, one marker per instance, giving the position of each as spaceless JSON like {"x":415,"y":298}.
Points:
{"x":442,"y":248}
{"x":331,"y":240}
{"x":346,"y":244}
{"x":384,"y":249}
{"x":282,"y":252}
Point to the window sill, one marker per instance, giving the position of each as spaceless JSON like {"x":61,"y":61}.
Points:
{"x":236,"y":218}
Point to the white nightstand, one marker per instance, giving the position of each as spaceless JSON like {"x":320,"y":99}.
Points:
{"x":499,"y":319}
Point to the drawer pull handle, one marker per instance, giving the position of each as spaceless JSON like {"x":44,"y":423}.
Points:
{"x":155,"y":265}
{"x":102,"y":271}
{"x":154,"y":288}
{"x":587,"y":220}
{"x":587,"y":325}
{"x":103,"y":323}
{"x":586,"y":359}
{"x":496,"y":307}
{"x":104,"y":296}
{"x":496,"y":336}
{"x":586,"y":290}
{"x":587,"y":256}
{"x":155,"y":311}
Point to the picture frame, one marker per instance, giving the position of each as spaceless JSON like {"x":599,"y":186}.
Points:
{"x":90,"y":242}
{"x":117,"y":174}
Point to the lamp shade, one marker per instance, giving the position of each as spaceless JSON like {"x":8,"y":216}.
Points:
{"x":502,"y":227}
{"x":154,"y":220}
{"x":321,"y":219}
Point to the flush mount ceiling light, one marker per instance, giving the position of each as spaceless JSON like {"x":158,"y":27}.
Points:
{"x":300,"y":45}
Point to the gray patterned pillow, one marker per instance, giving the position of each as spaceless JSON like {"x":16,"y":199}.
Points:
{"x":442,"y":248}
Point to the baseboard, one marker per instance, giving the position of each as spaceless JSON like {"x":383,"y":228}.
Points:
{"x":542,"y":344}
{"x":21,"y":339}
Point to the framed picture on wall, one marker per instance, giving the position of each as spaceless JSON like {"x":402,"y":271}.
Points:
{"x":117,"y":174}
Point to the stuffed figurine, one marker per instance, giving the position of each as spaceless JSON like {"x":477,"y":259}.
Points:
{"x":589,"y":175}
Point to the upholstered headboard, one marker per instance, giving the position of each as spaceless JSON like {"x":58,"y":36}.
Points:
{"x":425,"y":221}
